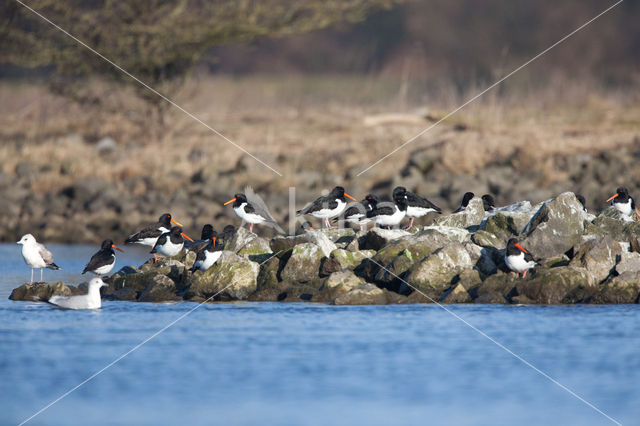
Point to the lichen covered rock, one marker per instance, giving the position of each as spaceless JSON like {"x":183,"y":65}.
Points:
{"x":232,"y":277}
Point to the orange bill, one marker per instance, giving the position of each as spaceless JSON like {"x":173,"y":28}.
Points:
{"x":230,"y":201}
{"x":113,"y":246}
{"x":612,"y":197}
{"x":176,"y":222}
{"x":521,"y":248}
{"x":186,"y":236}
{"x":349,"y":196}
{"x":311,"y":228}
{"x":214,"y":240}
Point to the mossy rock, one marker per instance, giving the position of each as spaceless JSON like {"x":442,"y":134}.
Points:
{"x":232,"y":277}
{"x":624,"y":288}
{"x":341,"y":259}
{"x":562,"y":285}
{"x":304,"y":263}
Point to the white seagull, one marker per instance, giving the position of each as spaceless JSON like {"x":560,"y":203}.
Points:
{"x":36,"y":255}
{"x":91,"y":300}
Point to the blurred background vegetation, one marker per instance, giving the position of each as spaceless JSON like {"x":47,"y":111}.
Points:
{"x":319,"y":89}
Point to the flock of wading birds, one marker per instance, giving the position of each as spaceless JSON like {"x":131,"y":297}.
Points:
{"x":169,"y":240}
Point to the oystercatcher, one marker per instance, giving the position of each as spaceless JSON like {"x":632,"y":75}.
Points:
{"x":488,"y":202}
{"x":170,"y":243}
{"x":209,"y":255}
{"x":357,"y":213}
{"x":36,"y":255}
{"x":102,"y":262}
{"x":253,"y":211}
{"x":465,"y":202}
{"x":205,"y":236}
{"x":228,"y":233}
{"x":417,"y":206}
{"x":148,"y":236}
{"x":517,"y":258}
{"x":91,"y":300}
{"x":306,"y":226}
{"x":582,"y":201}
{"x":389,"y":214}
{"x":623,"y":202}
{"x":327,"y":206}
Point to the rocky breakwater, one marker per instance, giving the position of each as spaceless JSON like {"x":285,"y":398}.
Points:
{"x":459,"y":259}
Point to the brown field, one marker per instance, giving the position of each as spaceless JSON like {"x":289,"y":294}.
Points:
{"x":333,"y":125}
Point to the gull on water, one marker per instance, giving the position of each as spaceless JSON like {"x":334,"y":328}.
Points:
{"x":36,"y":255}
{"x":91,"y":300}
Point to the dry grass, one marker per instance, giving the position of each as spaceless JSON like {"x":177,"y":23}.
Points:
{"x":304,"y":123}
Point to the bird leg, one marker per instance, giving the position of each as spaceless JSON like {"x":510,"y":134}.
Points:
{"x":31,"y":275}
{"x":524,"y":274}
{"x":251,"y":227}
{"x":410,"y":223}
{"x":155,"y":258}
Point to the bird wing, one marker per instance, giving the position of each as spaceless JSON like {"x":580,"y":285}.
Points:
{"x":384,"y":208}
{"x":70,"y":302}
{"x":416,"y":200}
{"x":260,"y":207}
{"x":161,"y":240}
{"x":150,"y":231}
{"x":97,"y":260}
{"x":325,"y":202}
{"x":45,"y":254}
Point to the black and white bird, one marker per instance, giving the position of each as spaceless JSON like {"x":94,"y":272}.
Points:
{"x":36,"y":255}
{"x":170,"y":243}
{"x":328,"y":206}
{"x":148,"y":236}
{"x":357,"y":212}
{"x":468,"y":196}
{"x":252,"y":211}
{"x":209,"y":255}
{"x":623,"y":202}
{"x":306,"y":226}
{"x":91,"y":300}
{"x":488,"y":202}
{"x":228,"y":232}
{"x":103,"y":261}
{"x":205,"y":236}
{"x":417,"y":206}
{"x":582,"y":201}
{"x":389,"y":214}
{"x":517,"y":258}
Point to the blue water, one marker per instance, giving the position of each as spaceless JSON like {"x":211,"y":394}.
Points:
{"x":308,"y":364}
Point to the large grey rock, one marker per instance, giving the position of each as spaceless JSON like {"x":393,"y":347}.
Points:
{"x":556,"y":227}
{"x":629,"y":262}
{"x":304,"y":263}
{"x":322,"y":239}
{"x":598,"y":256}
{"x":340,"y":259}
{"x":498,"y":228}
{"x":241,"y":238}
{"x":624,"y":288}
{"x":433,"y":275}
{"x":377,"y":238}
{"x":501,"y":283}
{"x":473,"y":215}
{"x":43,"y":291}
{"x":609,"y":222}
{"x":160,"y":289}
{"x":565,"y":284}
{"x":255,"y":248}
{"x":337,"y":284}
{"x":232,"y":277}
{"x":365,"y":294}
{"x":457,"y":294}
{"x":409,"y":250}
